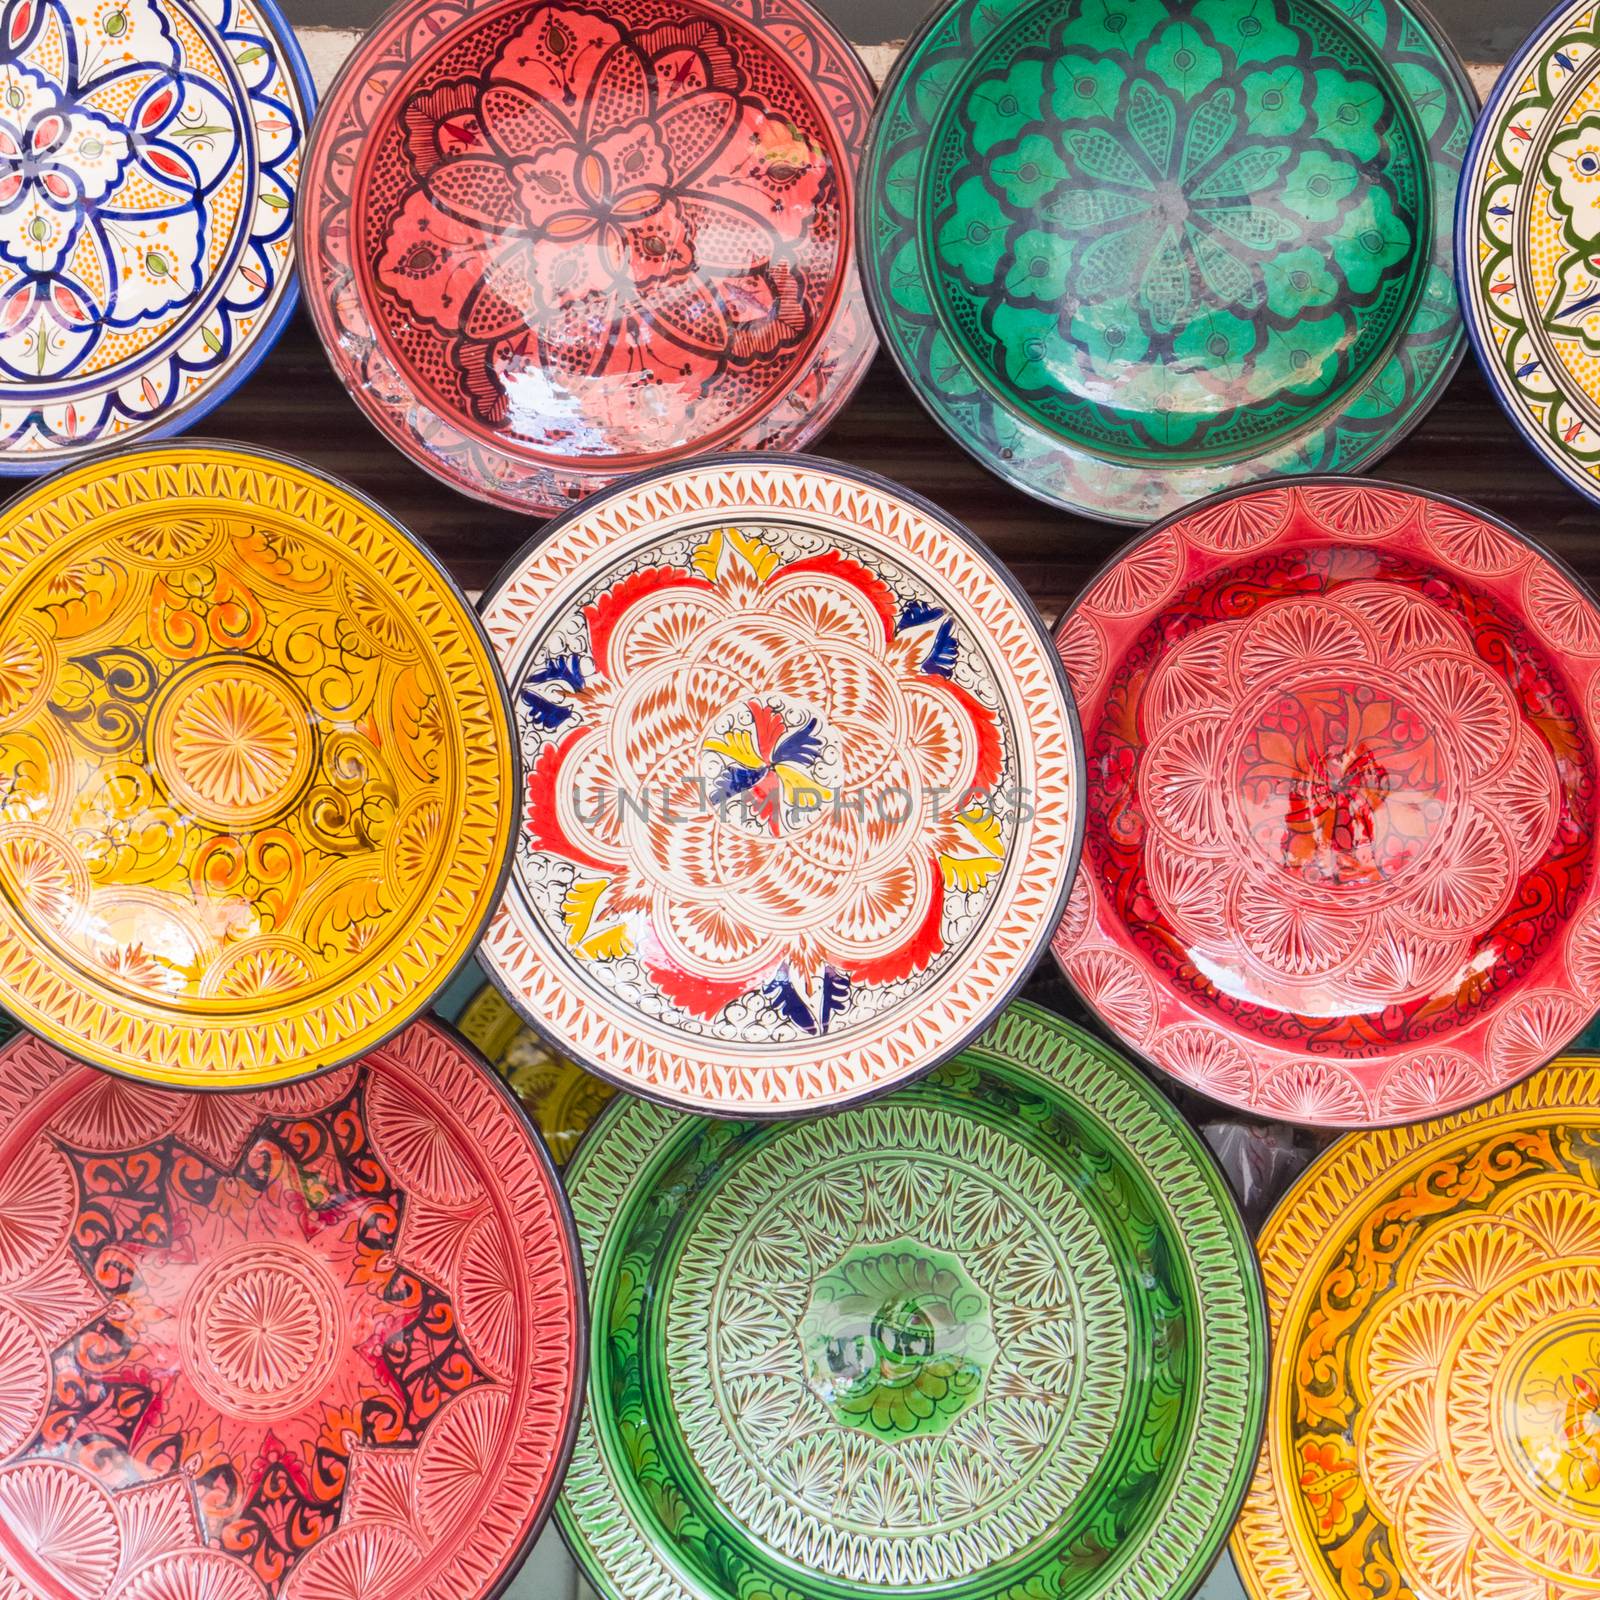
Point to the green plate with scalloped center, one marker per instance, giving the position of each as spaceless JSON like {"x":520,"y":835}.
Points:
{"x":1133,"y":252}
{"x":1000,"y":1333}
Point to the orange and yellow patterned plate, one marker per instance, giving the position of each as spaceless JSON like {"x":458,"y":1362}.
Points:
{"x":256,"y":770}
{"x":1434,"y":1415}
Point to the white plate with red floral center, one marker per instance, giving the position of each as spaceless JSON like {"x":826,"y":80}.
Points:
{"x":1339,"y":864}
{"x":805,"y":785}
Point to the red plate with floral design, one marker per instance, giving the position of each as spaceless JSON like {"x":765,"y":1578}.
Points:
{"x":804,"y":785}
{"x":1339,"y":864}
{"x":551,"y":244}
{"x":313,"y":1343}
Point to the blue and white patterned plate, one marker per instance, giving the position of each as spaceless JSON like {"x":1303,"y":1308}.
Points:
{"x":150,"y":153}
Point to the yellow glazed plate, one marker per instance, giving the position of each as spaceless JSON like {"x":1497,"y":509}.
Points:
{"x":1434,"y":1418}
{"x":257,"y":784}
{"x":560,"y":1097}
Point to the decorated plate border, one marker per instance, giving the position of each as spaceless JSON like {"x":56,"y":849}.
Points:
{"x":175,"y":414}
{"x":1049,"y":468}
{"x":44,"y":493}
{"x":1481,"y":254}
{"x":1331,"y":1097}
{"x":613,"y":1044}
{"x":394,"y":45}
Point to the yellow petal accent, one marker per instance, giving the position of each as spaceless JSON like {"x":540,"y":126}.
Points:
{"x":985,"y":828}
{"x":739,"y":746}
{"x":800,"y":789}
{"x":578,"y":912}
{"x":966,"y":873}
{"x":757,"y":554}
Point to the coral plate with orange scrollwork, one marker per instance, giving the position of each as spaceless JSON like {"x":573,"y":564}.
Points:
{"x":1434,"y":1422}
{"x":551,"y":244}
{"x":804,"y":785}
{"x":1340,"y":856}
{"x":257,"y":783}
{"x":304,"y":1343}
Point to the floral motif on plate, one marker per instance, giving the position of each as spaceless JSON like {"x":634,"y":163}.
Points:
{"x":1527,"y":228}
{"x":299,"y":1344}
{"x":1340,"y":862}
{"x":149,"y":165}
{"x":999,"y":1332}
{"x":257,"y":784}
{"x":803,"y":785}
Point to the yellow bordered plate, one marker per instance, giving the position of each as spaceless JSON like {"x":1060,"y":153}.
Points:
{"x":257,"y":781}
{"x":1434,"y":1297}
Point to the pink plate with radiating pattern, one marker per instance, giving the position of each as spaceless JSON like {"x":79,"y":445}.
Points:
{"x":550,"y":244}
{"x":804,"y":785}
{"x":317,"y":1343}
{"x":1339,"y":864}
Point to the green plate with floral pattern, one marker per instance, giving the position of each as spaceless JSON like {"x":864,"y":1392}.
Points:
{"x":1133,"y":252}
{"x":998,"y":1334}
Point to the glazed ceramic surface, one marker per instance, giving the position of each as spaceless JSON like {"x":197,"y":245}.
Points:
{"x":257,"y":784}
{"x":560,"y":1097}
{"x":999,"y":1333}
{"x":1435,"y":1302}
{"x":1132,"y":252}
{"x":149,"y":162}
{"x":804,"y":785}
{"x":312,"y":1343}
{"x":549,"y":245}
{"x":1340,"y":859}
{"x":1527,"y":228}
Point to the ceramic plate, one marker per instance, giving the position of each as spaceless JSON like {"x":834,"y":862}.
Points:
{"x":316,"y":1342}
{"x":1527,"y":228}
{"x":149,"y":162}
{"x":548,"y":245}
{"x":560,"y":1097}
{"x":1435,"y":1303}
{"x":999,"y":1333}
{"x":1340,"y":860}
{"x":257,"y":778}
{"x":805,"y":787}
{"x":1133,"y":252}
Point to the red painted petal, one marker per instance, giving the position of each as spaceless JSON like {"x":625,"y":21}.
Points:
{"x":57,"y":187}
{"x":543,"y":816}
{"x":608,"y":610}
{"x":983,"y":725}
{"x":10,"y":187}
{"x":70,"y":304}
{"x":21,"y":21}
{"x":769,"y":728}
{"x":168,"y":166}
{"x":157,"y":109}
{"x":877,"y":592}
{"x":17,"y":308}
{"x":47,"y":131}
{"x":705,"y":997}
